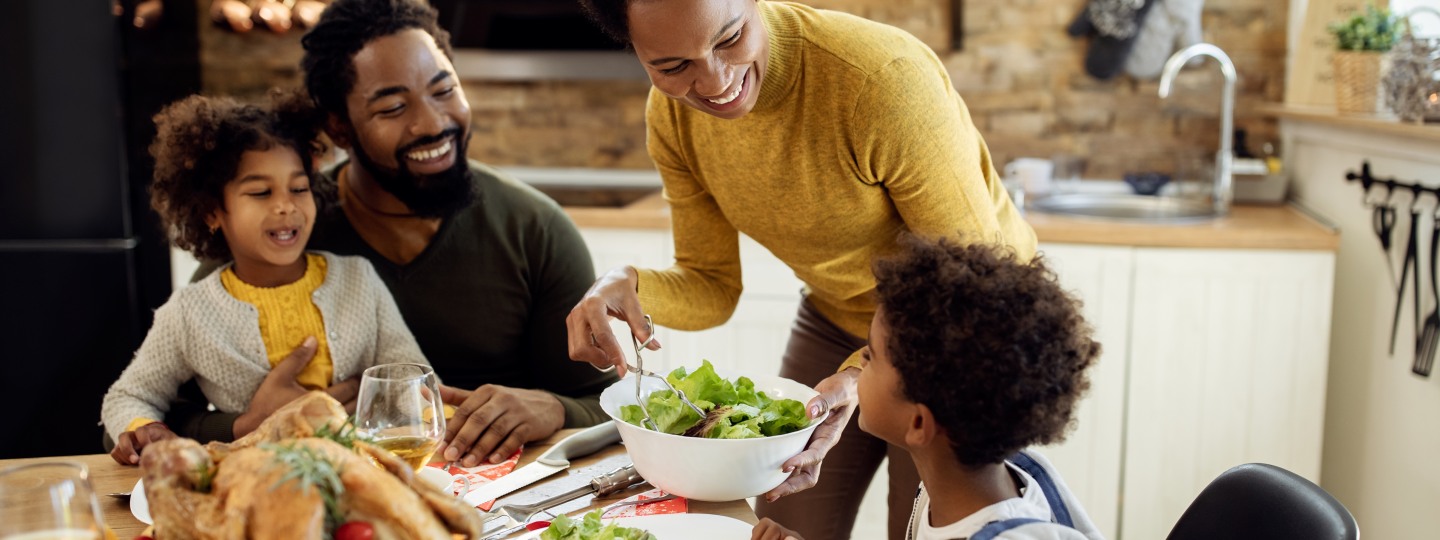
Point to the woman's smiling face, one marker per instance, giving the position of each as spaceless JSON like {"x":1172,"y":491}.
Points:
{"x":710,"y":55}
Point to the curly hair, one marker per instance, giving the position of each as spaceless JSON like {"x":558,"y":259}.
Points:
{"x":198,"y":144}
{"x":611,"y":16}
{"x":993,"y":346}
{"x":344,"y":28}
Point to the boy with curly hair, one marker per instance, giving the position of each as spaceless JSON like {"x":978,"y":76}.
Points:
{"x":975,"y":356}
{"x":233,"y":182}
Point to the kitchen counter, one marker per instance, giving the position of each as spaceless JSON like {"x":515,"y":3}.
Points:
{"x":1247,"y":227}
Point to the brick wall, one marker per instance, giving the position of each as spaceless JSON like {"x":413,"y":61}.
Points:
{"x":1020,"y":74}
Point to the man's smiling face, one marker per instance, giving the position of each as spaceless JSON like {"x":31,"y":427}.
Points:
{"x":409,"y":122}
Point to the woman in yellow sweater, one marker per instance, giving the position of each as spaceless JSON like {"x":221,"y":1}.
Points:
{"x":822,"y":136}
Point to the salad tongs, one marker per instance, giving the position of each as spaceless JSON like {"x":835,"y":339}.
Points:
{"x":639,"y":369}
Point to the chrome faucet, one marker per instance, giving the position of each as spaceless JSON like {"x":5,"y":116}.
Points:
{"x":1224,"y":157}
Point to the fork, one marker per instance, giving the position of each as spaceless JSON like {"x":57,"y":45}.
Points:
{"x":639,"y":369}
{"x":604,"y":510}
{"x":1425,"y":346}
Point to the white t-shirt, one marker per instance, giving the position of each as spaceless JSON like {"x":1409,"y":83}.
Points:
{"x":1030,"y":504}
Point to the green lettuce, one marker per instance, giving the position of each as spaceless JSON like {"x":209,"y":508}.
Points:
{"x":591,"y":528}
{"x":736,"y":410}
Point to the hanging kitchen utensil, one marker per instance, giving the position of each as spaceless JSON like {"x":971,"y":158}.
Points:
{"x":1430,"y":336}
{"x":1410,"y":247}
{"x":1383,"y":220}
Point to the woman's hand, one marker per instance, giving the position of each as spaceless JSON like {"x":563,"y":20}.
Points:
{"x":769,"y":530}
{"x":837,"y":395}
{"x":613,"y":295}
{"x":131,"y":443}
{"x":492,"y":422}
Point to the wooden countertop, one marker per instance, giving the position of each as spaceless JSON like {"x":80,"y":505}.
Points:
{"x":1247,"y":227}
{"x":107,"y":476}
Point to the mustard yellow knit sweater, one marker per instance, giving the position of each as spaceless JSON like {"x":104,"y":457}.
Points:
{"x":857,"y":135}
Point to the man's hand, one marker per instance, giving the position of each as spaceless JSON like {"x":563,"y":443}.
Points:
{"x":280,"y":388}
{"x":837,"y":395}
{"x":492,"y":422}
{"x":131,"y":443}
{"x":769,"y":530}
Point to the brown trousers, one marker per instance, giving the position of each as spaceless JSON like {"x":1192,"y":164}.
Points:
{"x":827,"y":511}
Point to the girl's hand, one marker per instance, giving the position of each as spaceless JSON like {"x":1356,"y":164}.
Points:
{"x":838,"y":395}
{"x":131,"y":443}
{"x":613,"y":295}
{"x":769,"y":530}
{"x":279,"y":388}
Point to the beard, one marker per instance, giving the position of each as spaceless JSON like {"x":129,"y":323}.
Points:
{"x":437,"y":195}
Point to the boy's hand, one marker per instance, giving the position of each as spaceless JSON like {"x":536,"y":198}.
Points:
{"x":280,"y":388}
{"x":769,"y":530}
{"x":131,"y":443}
{"x":838,"y":395}
{"x":492,"y":422}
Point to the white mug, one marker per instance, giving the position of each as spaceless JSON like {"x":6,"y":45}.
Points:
{"x":1033,"y":174}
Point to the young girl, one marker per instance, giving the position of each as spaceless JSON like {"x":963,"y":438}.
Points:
{"x":232,"y":181}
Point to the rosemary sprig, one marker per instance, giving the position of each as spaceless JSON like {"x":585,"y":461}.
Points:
{"x":204,"y":477}
{"x":312,"y":470}
{"x":345,"y":436}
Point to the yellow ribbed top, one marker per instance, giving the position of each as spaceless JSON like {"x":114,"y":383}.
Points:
{"x":288,"y":315}
{"x":857,"y":135}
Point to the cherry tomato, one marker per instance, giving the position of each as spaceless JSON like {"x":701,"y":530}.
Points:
{"x":355,"y":530}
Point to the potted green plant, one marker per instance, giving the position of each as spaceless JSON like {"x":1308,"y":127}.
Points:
{"x":1361,"y":43}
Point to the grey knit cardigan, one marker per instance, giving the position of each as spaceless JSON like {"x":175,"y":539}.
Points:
{"x":203,"y":332}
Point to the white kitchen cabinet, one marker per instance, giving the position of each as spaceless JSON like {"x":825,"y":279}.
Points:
{"x":1211,"y":358}
{"x":1090,"y":458}
{"x":1229,"y":351}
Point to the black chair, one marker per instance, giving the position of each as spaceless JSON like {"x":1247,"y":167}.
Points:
{"x":1258,"y":501}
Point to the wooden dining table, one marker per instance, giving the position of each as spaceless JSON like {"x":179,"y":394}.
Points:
{"x":107,"y":476}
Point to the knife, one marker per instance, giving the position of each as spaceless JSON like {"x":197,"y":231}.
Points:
{"x":554,"y":460}
{"x":605,"y":484}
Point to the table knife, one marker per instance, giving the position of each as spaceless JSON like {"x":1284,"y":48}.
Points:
{"x":554,"y":460}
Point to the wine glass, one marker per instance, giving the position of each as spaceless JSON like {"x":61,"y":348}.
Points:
{"x":48,"y":501}
{"x":400,"y":409}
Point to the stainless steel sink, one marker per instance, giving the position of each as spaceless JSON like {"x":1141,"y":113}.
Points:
{"x":1128,"y":208}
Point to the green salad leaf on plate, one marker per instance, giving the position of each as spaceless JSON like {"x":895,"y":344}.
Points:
{"x":591,"y":528}
{"x":733,"y":410}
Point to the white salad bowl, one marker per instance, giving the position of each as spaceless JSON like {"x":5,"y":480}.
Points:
{"x":709,"y":469}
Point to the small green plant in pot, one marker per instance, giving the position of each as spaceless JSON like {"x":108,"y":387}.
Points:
{"x":1361,"y":42}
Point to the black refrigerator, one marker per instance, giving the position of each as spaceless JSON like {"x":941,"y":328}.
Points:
{"x":82,"y":262}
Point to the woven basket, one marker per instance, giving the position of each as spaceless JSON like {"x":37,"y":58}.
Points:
{"x":1357,"y":79}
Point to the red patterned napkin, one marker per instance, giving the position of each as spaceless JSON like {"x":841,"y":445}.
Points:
{"x":678,"y":505}
{"x":478,"y":475}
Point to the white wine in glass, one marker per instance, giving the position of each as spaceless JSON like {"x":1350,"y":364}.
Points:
{"x":49,"y":501}
{"x":399,"y":408}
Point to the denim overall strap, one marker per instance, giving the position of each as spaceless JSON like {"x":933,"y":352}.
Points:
{"x":994,"y":528}
{"x":1052,"y":495}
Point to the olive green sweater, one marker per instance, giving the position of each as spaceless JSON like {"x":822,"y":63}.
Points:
{"x":857,"y":135}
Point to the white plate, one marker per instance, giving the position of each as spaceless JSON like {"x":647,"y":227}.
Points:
{"x":138,"y":505}
{"x":683,"y":527}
